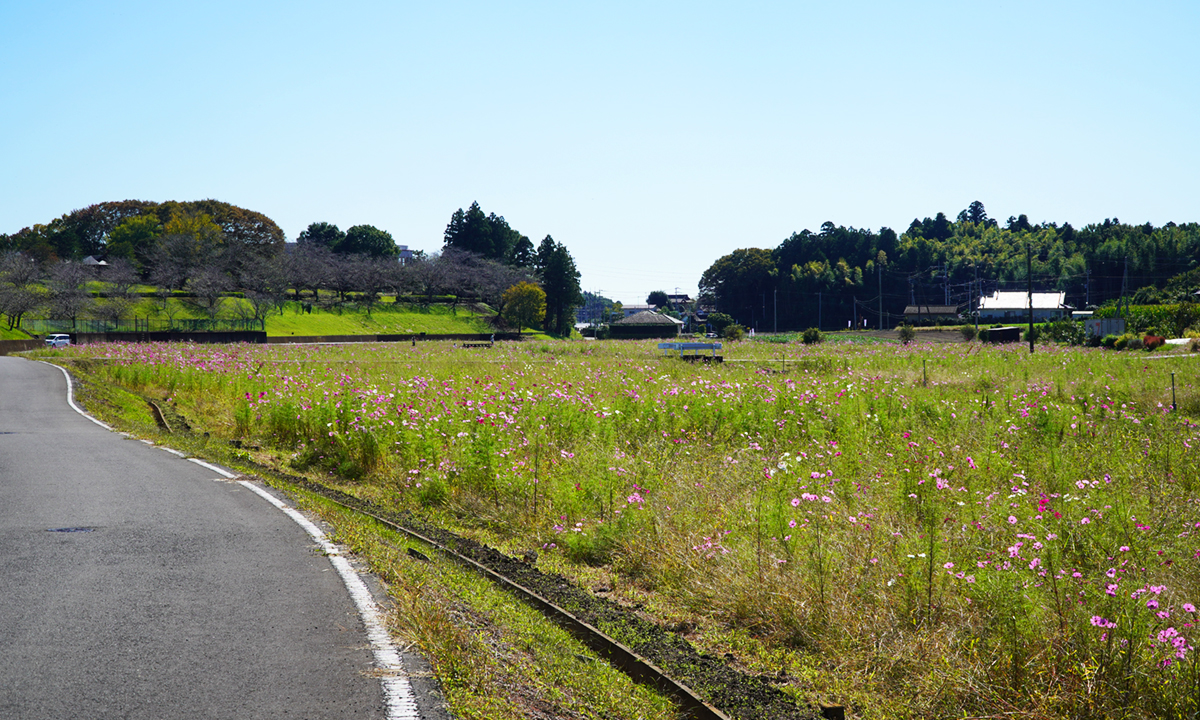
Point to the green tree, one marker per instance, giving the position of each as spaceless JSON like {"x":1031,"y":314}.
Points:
{"x":658,"y":298}
{"x":736,"y":283}
{"x":524,"y":304}
{"x":489,"y":236}
{"x":321,"y":233}
{"x":134,"y":240}
{"x":560,"y":280}
{"x":367,"y":240}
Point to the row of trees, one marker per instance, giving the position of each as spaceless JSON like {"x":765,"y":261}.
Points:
{"x":846,"y":273}
{"x":210,"y":249}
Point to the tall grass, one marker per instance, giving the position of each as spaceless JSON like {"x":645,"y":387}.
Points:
{"x":951,"y":529}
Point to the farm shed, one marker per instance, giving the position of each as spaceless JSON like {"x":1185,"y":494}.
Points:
{"x":1014,"y":305}
{"x":645,"y":324}
{"x":917,"y":314}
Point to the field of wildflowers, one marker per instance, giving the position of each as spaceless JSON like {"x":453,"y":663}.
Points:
{"x":922,"y":530}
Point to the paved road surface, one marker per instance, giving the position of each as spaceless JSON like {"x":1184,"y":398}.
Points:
{"x":180,"y":594}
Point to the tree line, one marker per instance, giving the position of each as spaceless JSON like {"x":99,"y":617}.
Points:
{"x":209,"y":249}
{"x":845,"y":273}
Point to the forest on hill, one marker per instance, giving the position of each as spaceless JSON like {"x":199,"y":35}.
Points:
{"x":841,"y":273}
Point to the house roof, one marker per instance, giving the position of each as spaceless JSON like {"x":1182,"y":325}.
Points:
{"x":931,"y":310}
{"x":1017,"y":300}
{"x":648,"y":318}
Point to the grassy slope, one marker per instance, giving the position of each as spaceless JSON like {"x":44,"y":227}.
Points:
{"x":6,"y":334}
{"x":434,"y":319}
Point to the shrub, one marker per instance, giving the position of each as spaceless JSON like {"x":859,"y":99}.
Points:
{"x":984,"y":334}
{"x":1065,"y":331}
{"x":733,"y":332}
{"x":968,"y":332}
{"x":719,"y":321}
{"x":812,"y":336}
{"x":1109,"y":341}
{"x":1153,"y":342}
{"x":908,"y":333}
{"x":1128,"y":341}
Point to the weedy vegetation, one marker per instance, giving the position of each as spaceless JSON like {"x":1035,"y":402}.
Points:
{"x":912,"y":530}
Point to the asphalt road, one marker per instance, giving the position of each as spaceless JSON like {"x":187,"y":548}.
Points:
{"x":136,"y":584}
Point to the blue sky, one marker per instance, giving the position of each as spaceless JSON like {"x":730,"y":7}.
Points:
{"x":650,"y":138}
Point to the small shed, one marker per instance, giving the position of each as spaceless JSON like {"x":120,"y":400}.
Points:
{"x":645,"y":324}
{"x":1007,"y":334}
{"x":917,"y":314}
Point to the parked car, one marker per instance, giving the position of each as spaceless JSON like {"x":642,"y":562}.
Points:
{"x":58,"y":340}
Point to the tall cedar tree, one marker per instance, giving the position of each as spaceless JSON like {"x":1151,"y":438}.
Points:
{"x":489,"y":236}
{"x":560,"y":280}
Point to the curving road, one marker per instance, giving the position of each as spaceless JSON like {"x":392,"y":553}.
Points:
{"x":136,"y":584}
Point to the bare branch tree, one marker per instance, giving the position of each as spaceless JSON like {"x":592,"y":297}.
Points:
{"x":68,"y":296}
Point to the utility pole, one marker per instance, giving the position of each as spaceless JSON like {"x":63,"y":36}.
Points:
{"x":1124,"y":284}
{"x":1029,"y":277}
{"x":775,"y":310}
{"x":978,"y":295}
{"x":819,"y":309}
{"x":879,"y":280}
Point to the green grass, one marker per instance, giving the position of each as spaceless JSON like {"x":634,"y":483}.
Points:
{"x":384,"y":319}
{"x":6,"y":334}
{"x":435,"y":319}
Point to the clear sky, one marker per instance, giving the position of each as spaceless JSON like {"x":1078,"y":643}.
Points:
{"x":648,"y":137}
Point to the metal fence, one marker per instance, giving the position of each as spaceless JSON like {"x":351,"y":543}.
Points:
{"x":42,"y":327}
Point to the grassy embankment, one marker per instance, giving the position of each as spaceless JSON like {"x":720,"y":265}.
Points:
{"x":386,"y":318}
{"x":912,"y":531}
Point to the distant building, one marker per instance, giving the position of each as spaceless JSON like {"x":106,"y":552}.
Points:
{"x":646,"y":324}
{"x":926,"y":313}
{"x":631,"y":310}
{"x":1014,"y":305}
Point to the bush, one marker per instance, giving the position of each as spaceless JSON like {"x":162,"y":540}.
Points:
{"x":812,"y":336}
{"x":968,"y":332}
{"x":733,"y":332}
{"x":908,"y":333}
{"x":1065,"y":331}
{"x":1110,"y":342}
{"x":1128,"y":341}
{"x":719,"y":321}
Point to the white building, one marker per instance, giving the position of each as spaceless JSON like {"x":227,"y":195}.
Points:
{"x":1014,"y":306}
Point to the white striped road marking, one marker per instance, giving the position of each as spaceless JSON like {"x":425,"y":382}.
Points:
{"x":401,"y":702}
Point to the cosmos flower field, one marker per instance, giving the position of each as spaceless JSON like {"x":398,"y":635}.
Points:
{"x":949,"y":528}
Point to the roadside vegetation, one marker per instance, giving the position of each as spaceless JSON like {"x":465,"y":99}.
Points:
{"x":910,"y":530}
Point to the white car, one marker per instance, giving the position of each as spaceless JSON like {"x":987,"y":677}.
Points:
{"x":58,"y":340}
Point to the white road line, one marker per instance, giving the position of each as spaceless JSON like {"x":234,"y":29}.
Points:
{"x":210,"y":466}
{"x":401,"y":702}
{"x":71,"y":396}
